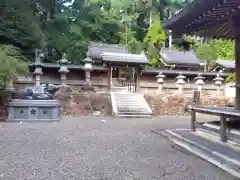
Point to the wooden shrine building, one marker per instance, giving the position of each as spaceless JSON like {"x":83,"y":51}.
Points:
{"x":114,"y":56}
{"x":224,"y":66}
{"x":211,"y":19}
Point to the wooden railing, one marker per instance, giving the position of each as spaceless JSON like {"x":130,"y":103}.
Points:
{"x":130,"y":85}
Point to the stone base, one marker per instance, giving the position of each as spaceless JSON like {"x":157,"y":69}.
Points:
{"x":87,"y":87}
{"x":33,"y":110}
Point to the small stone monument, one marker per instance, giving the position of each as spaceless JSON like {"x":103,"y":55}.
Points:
{"x":160,"y":80}
{"x":218,"y":81}
{"x":180,"y":82}
{"x":199,"y":82}
{"x":63,"y":69}
{"x":35,"y":104}
{"x":38,"y":66}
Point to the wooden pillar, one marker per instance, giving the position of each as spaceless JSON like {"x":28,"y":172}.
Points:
{"x":193,"y":120}
{"x":137,"y":79}
{"x":170,"y":39}
{"x":236,"y":24}
{"x":109,"y":77}
{"x":223,"y":129}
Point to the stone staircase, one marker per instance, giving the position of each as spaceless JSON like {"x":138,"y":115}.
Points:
{"x":205,"y":143}
{"x":125,"y":104}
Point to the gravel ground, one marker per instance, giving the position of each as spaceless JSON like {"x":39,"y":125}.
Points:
{"x":98,"y":149}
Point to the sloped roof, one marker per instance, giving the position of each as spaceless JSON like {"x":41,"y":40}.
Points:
{"x":228,"y":64}
{"x":179,"y":57}
{"x":95,"y":50}
{"x":124,"y":57}
{"x":206,"y":18}
{"x":183,"y":72}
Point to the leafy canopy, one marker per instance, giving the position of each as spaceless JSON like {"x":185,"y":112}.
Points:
{"x":12,"y":63}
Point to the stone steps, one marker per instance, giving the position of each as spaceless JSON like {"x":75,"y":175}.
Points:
{"x":213,"y":130}
{"x":125,"y":104}
{"x":225,"y":156}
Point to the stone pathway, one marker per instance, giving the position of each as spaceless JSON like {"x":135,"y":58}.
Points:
{"x":90,"y":148}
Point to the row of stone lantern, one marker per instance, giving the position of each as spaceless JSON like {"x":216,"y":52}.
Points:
{"x":63,"y":70}
{"x":218,"y":81}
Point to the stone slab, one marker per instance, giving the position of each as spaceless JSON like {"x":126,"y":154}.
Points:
{"x":213,"y":146}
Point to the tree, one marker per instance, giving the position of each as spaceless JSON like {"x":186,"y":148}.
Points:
{"x":167,"y":8}
{"x":231,"y":77}
{"x":19,"y":27}
{"x":206,"y":52}
{"x":12,"y":63}
{"x":224,"y":49}
{"x":153,"y":42}
{"x":55,"y":27}
{"x":185,"y":43}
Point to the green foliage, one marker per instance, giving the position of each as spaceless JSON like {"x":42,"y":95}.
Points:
{"x":18,"y":26}
{"x":231,"y":77}
{"x":206,"y":52}
{"x":224,"y":49}
{"x":153,"y":42}
{"x":12,"y":63}
{"x":56,"y":27}
{"x":185,"y":43}
{"x":216,"y":49}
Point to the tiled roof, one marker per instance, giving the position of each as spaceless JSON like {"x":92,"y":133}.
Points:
{"x":228,"y":64}
{"x":179,"y":57}
{"x":183,"y":72}
{"x":123,"y":57}
{"x":96,"y":49}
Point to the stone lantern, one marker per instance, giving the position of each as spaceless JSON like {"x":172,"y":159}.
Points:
{"x":218,"y":81}
{"x":160,"y":80}
{"x":199,"y":82}
{"x":88,"y":68}
{"x":38,"y":66}
{"x":180,"y":82}
{"x":63,"y":69}
{"x":87,"y":86}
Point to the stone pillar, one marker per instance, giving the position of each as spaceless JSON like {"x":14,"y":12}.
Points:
{"x":236,"y":24}
{"x":37,"y":73}
{"x":160,"y":81}
{"x":63,"y":70}
{"x":170,"y":39}
{"x":180,"y":82}
{"x":87,"y":86}
{"x":199,"y":82}
{"x":218,"y":82}
{"x":88,"y":77}
{"x":38,"y":66}
{"x":109,"y":77}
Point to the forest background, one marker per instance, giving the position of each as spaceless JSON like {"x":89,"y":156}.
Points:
{"x":58,"y":26}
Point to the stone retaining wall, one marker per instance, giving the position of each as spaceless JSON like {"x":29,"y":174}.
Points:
{"x":99,"y":104}
{"x":176,"y":104}
{"x":84,"y":104}
{"x":5,"y":97}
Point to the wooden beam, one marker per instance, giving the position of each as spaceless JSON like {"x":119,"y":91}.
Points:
{"x":193,"y":120}
{"x":236,"y":24}
{"x":137,"y":79}
{"x":109,"y":77}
